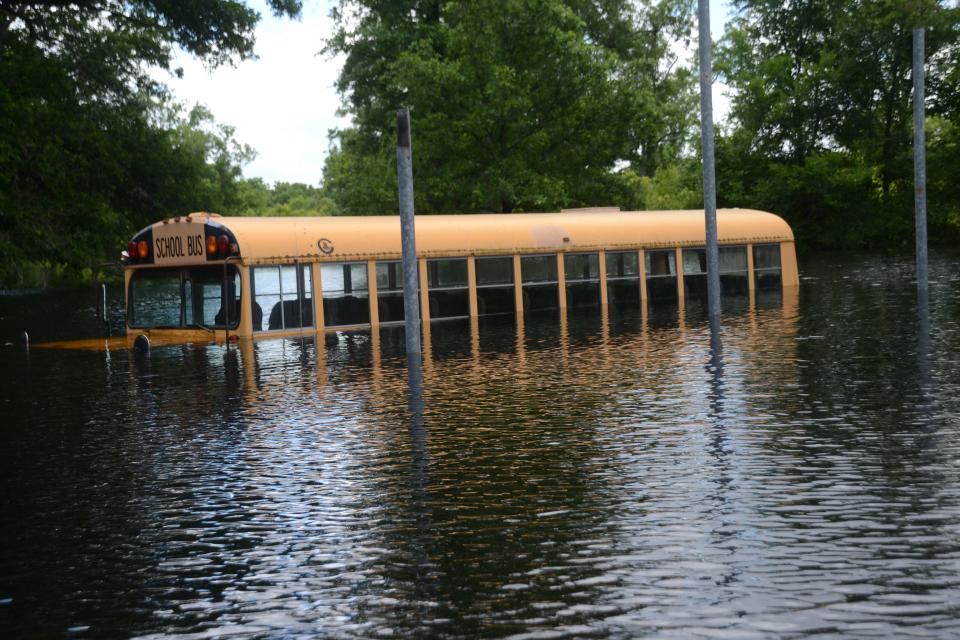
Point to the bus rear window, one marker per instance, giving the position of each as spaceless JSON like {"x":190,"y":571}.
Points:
{"x":184,"y":297}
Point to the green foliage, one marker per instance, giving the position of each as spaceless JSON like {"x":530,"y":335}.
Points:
{"x":90,"y":147}
{"x":255,"y":198}
{"x":523,"y":105}
{"x":676,"y":186}
{"x":822,"y":116}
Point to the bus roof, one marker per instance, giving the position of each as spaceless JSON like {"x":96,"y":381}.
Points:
{"x":346,"y":238}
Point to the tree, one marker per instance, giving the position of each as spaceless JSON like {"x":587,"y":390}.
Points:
{"x":516,"y":106}
{"x":90,"y":146}
{"x":822,"y":111}
{"x":255,"y":198}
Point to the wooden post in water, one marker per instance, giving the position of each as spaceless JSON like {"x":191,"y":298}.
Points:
{"x":411,"y":305}
{"x":919,"y":163}
{"x":709,"y":171}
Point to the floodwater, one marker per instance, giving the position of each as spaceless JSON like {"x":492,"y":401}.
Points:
{"x":596,"y":477}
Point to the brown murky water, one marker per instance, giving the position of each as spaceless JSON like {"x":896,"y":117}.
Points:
{"x":603,"y":475}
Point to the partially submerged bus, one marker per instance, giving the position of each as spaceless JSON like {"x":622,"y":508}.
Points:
{"x":202,"y":276}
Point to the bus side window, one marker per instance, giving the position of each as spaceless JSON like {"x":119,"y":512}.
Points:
{"x":495,"y":285}
{"x":766,"y":266}
{"x":623,"y":277}
{"x":733,"y":271}
{"x":282,"y":297}
{"x":582,"y":276}
{"x":390,"y":291}
{"x":695,"y":273}
{"x":661,"y":275}
{"x":346,"y":293}
{"x":540,"y":283}
{"x":449,"y":294}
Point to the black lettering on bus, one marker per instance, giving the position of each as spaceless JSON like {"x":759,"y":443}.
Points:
{"x":195,"y":245}
{"x":170,"y":247}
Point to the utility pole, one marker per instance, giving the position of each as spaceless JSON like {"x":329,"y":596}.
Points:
{"x":411,"y":306}
{"x":920,"y":164}
{"x":709,"y":170}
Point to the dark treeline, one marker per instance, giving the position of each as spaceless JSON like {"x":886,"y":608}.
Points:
{"x":527,"y":105}
{"x":91,"y":146}
{"x":822,"y":119}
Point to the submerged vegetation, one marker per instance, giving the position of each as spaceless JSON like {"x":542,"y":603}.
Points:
{"x":526,"y":105}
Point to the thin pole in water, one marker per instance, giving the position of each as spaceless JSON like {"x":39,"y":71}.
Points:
{"x":919,"y":162}
{"x":411,"y":308}
{"x":709,"y":170}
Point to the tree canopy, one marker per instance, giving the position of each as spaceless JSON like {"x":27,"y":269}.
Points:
{"x":91,"y":146}
{"x":516,"y":106}
{"x":822,"y":113}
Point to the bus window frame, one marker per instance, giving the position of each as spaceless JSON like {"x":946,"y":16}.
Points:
{"x":370,"y":291}
{"x":504,"y":286}
{"x":306,"y":298}
{"x":234,"y":271}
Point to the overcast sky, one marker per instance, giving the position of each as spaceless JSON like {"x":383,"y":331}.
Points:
{"x":283,"y":104}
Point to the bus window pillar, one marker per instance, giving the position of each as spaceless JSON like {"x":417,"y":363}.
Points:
{"x":789,"y":272}
{"x":246,"y":308}
{"x":317,"y":296}
{"x":424,"y":294}
{"x":642,"y":270}
{"x":680,"y":289}
{"x":561,"y":282}
{"x":472,"y":285}
{"x":603,"y":278}
{"x":751,"y":282}
{"x":517,"y":284}
{"x":372,"y":289}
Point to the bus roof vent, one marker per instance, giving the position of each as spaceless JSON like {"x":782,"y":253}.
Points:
{"x":592,"y":210}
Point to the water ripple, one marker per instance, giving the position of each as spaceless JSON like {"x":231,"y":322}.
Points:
{"x":601,"y":477}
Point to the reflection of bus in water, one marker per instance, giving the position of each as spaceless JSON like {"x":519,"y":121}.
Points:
{"x":200,"y":276}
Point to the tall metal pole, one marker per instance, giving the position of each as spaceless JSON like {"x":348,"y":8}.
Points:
{"x":709,"y":171}
{"x":411,"y":307}
{"x":919,"y":163}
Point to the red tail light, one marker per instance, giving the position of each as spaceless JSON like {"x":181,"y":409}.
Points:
{"x":223,"y":244}
{"x":132,"y":249}
{"x":212,"y":245}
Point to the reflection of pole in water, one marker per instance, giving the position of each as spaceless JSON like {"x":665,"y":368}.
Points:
{"x":715,"y":417}
{"x":521,"y":342}
{"x":716,"y":369}
{"x":923,"y":341}
{"x":416,"y":406}
{"x":419,"y":503}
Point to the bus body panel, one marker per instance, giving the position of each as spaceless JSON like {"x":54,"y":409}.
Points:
{"x":315,"y":241}
{"x":353,"y":238}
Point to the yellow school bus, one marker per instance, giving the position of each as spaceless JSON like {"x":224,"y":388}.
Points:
{"x":203,"y":276}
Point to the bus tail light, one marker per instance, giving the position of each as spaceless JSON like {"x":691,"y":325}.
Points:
{"x":223,"y":244}
{"x":143,"y":249}
{"x":132,"y":250}
{"x":212,"y":245}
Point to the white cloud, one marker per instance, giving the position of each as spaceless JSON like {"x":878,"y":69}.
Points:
{"x":283,"y":103}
